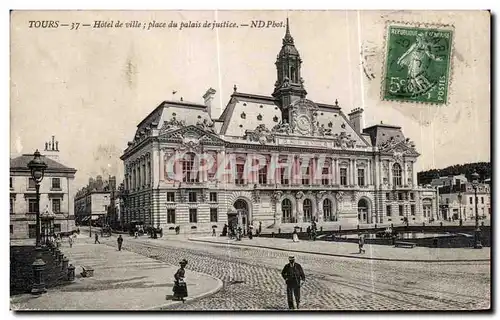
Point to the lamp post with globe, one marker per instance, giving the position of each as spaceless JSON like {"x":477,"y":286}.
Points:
{"x":37,"y":168}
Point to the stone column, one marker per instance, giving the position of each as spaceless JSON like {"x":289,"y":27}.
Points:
{"x":391,"y":163}
{"x":337,"y":172}
{"x":414,"y":178}
{"x":354,"y":173}
{"x":299,"y":213}
{"x":404,"y":174}
{"x":369,"y":173}
{"x":333,"y":170}
{"x":273,"y":174}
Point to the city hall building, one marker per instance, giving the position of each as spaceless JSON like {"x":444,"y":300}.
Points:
{"x":279,"y":160}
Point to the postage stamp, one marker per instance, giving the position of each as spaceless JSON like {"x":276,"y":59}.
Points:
{"x":417,"y":66}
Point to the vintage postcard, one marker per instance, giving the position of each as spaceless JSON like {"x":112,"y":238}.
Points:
{"x":250,"y":160}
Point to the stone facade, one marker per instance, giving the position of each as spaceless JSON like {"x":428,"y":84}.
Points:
{"x":280,"y":159}
{"x":93,"y":201}
{"x":56,"y":194}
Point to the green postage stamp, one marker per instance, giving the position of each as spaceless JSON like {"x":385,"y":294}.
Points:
{"x":417,"y":66}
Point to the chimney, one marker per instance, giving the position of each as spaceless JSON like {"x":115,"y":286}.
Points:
{"x":208,"y":98}
{"x":51,"y":150}
{"x":356,"y":119}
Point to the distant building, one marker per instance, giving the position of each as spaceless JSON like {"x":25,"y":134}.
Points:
{"x":457,"y":201}
{"x":93,"y":201}
{"x":56,"y":193}
{"x":449,"y":180}
{"x":279,"y":159}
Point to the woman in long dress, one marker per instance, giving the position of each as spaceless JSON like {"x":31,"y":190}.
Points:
{"x":295,"y":236}
{"x":180,"y":287}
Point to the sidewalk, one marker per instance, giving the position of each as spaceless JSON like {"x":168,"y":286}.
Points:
{"x":350,"y":250}
{"x":122,"y":280}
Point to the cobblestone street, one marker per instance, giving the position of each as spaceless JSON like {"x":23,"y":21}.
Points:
{"x":252,"y":279}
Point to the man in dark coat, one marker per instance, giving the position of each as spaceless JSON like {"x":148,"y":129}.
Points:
{"x":120,"y":242}
{"x":294,"y":276}
{"x":96,"y":239}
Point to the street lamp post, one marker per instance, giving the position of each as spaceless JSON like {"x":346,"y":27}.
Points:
{"x":37,"y":168}
{"x":460,"y":205}
{"x":477,"y":232}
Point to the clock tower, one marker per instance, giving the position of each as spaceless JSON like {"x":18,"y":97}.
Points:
{"x":289,"y":85}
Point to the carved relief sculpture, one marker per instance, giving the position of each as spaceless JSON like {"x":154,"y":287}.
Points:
{"x":276,"y":196}
{"x":172,"y":124}
{"x":261,"y":134}
{"x":299,"y":195}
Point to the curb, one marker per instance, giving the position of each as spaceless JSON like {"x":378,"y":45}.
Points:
{"x":219,"y":286}
{"x":339,"y":255}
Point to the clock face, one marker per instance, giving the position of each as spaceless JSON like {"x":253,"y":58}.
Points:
{"x":303,"y":124}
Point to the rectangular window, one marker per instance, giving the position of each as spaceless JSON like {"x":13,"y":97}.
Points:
{"x":400,"y":196}
{"x":56,"y":205}
{"x":343,"y":176}
{"x":170,"y":196}
{"x":11,"y":205}
{"x":470,"y":200}
{"x":193,"y":215}
{"x":284,"y":176}
{"x":240,"y":170}
{"x":412,"y":196}
{"x":56,"y":183}
{"x":213,"y":214}
{"x":32,"y":206}
{"x":325,"y":172}
{"x":482,"y":200}
{"x":388,"y":196}
{"x":388,"y":211}
{"x":170,"y":215}
{"x":11,"y":229}
{"x":32,"y":231}
{"x":361,"y":177}
{"x":31,"y":183}
{"x":192,"y":196}
{"x":401,"y":210}
{"x":213,"y":196}
{"x":306,"y":176}
{"x":263,"y":175}
{"x":412,"y":208}
{"x":11,"y":184}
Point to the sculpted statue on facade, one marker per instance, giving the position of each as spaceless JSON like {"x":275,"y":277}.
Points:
{"x":343,"y":141}
{"x":276,"y":196}
{"x":340,"y":196}
{"x":206,"y":125}
{"x":282,"y":127}
{"x":299,"y":195}
{"x":172,"y":124}
{"x":261,"y":134}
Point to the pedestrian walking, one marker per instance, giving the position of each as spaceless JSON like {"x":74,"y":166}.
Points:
{"x":250,"y":232}
{"x":180,"y":286}
{"x":361,"y":243}
{"x":120,"y":242}
{"x":213,"y":232}
{"x":96,"y":239}
{"x":70,"y":241}
{"x":260,"y":227}
{"x":294,"y":277}
{"x":136,"y":234}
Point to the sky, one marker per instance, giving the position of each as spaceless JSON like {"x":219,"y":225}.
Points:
{"x":90,"y":87}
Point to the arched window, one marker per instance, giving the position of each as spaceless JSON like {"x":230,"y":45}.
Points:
{"x":396,"y":175}
{"x":293,"y":74}
{"x":363,"y":211}
{"x":286,"y":209}
{"x":189,"y":172}
{"x":307,"y":207}
{"x":427,"y":207}
{"x":327,"y":210}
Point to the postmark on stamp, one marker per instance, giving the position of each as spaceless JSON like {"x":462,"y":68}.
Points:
{"x":417,"y":66}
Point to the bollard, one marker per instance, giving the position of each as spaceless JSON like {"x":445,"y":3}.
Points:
{"x":272,"y":234}
{"x":38,"y":276}
{"x":64,"y":266}
{"x":71,"y":273}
